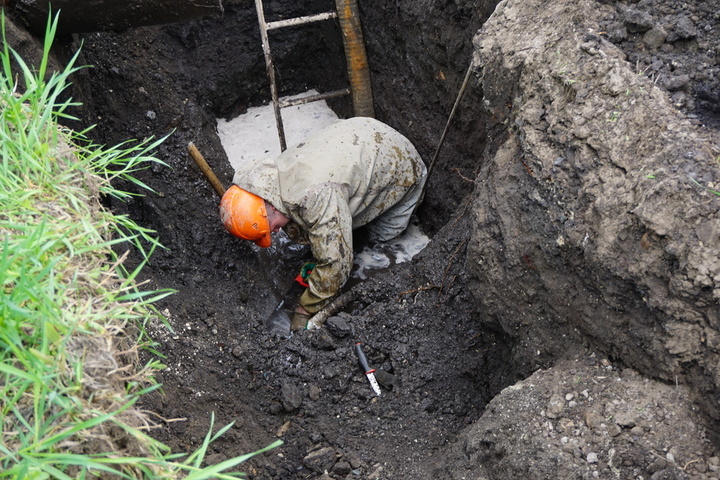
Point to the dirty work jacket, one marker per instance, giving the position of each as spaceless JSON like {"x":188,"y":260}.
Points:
{"x":338,"y":179}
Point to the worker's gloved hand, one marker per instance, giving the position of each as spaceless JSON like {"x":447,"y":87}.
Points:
{"x":300,"y":319}
{"x":304,"y":274}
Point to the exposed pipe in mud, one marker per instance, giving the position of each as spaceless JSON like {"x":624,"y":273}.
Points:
{"x":99,"y":15}
{"x":356,"y":57}
{"x":340,"y":302}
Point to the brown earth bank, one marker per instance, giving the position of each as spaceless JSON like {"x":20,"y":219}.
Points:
{"x":563,"y":321}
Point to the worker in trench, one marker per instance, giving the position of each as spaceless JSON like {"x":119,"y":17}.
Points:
{"x":353,"y":173}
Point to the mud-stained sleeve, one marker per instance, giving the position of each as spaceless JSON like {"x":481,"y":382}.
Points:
{"x":327,"y":215}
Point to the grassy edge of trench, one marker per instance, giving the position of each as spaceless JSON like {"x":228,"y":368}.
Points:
{"x":71,"y":316}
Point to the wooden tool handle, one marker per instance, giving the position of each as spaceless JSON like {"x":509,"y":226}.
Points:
{"x":205,"y":169}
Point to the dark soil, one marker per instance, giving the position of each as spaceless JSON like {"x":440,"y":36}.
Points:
{"x":501,"y":377}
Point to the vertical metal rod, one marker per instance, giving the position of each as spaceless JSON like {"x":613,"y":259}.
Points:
{"x":271,"y":74}
{"x":450,"y":118}
{"x":445,"y":130}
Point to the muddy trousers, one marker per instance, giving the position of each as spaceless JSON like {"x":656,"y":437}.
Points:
{"x":394,"y":221}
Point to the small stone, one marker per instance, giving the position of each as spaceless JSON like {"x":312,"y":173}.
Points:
{"x":314,"y":392}
{"x":354,"y":460}
{"x":592,"y":457}
{"x":555,"y":406}
{"x":637,"y":431}
{"x":320,"y":460}
{"x":283,"y":429}
{"x":151,"y":115}
{"x":377,"y":473}
{"x":658,"y":465}
{"x":569,"y":397}
{"x":593,"y":419}
{"x":625,"y":419}
{"x":566,"y":424}
{"x":655,"y":37}
{"x":291,"y":396}
{"x":341,"y":469}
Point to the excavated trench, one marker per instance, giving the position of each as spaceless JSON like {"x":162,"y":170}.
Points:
{"x":416,"y":320}
{"x":455,"y":338}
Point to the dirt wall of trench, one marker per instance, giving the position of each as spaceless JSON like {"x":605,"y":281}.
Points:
{"x":594,"y":221}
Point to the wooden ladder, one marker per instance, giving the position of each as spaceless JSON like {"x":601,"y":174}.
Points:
{"x":358,"y":70}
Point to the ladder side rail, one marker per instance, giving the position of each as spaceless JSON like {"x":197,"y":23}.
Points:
{"x":358,"y":70}
{"x":271,"y":74}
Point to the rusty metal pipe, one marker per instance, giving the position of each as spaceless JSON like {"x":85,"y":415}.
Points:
{"x":356,"y":57}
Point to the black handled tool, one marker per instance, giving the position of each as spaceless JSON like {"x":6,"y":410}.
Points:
{"x":369,"y":372}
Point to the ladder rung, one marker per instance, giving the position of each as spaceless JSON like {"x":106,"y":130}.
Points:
{"x":301,"y":20}
{"x":313,"y":98}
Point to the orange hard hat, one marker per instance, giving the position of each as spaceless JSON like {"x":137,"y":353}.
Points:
{"x":245,"y":216}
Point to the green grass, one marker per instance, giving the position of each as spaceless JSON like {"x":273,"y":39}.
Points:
{"x":714,"y":192}
{"x":71,"y":315}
